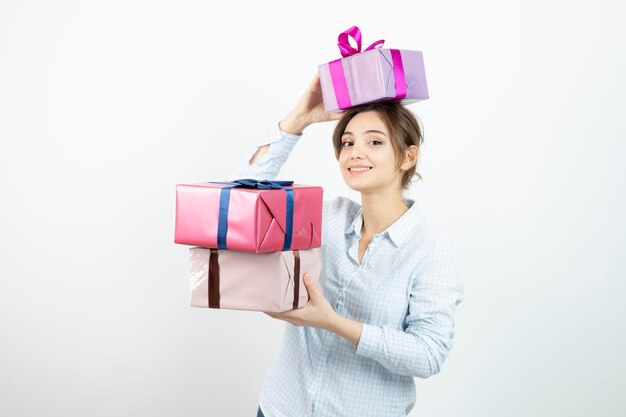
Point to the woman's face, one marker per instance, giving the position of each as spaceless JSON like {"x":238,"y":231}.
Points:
{"x":366,"y":143}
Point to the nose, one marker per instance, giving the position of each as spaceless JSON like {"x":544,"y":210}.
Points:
{"x":356,"y":152}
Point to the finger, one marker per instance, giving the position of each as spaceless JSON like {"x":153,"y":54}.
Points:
{"x":316,"y":80}
{"x":309,"y":284}
{"x":334,"y":116}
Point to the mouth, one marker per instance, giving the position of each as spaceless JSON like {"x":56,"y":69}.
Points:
{"x":359,"y":170}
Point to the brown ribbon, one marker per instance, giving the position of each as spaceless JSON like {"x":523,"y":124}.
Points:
{"x":214,"y":279}
{"x":296,"y":278}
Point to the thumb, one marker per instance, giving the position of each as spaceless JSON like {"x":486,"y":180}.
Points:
{"x":311,"y":288}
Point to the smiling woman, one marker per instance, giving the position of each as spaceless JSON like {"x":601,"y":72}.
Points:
{"x":398,"y":129}
{"x":384,"y":310}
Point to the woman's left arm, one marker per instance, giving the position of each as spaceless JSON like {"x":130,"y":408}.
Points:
{"x":421,"y":349}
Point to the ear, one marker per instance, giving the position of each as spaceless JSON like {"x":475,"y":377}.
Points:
{"x":410,"y":157}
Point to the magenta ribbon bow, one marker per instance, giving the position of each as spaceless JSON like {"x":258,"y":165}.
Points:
{"x":338,"y":76}
{"x":344,"y":42}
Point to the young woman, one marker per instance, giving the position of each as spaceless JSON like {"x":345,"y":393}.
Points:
{"x":383,"y":310}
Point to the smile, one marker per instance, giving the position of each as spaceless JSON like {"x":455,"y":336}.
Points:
{"x":357,"y":171}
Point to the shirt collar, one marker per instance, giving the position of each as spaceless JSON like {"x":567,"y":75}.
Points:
{"x":398,"y":231}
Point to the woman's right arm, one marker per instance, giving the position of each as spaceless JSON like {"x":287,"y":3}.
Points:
{"x":288,"y":125}
{"x":276,"y":146}
{"x":274,"y":149}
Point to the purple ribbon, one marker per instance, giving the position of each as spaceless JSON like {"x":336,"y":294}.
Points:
{"x":338,"y":76}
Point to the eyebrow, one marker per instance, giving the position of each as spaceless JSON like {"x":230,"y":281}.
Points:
{"x":367,"y":131}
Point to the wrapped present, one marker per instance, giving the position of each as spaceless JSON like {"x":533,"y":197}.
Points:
{"x":249,"y":215}
{"x":271,"y":282}
{"x":374,"y":75}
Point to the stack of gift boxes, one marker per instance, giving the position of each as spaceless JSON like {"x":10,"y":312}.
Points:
{"x":254,"y":239}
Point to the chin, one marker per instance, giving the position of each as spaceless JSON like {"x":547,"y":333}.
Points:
{"x":360,"y":187}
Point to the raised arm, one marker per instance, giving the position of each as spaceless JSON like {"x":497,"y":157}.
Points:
{"x":288,"y":125}
{"x":270,"y":154}
{"x":264,"y":159}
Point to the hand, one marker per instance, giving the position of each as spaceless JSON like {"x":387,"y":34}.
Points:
{"x":309,"y":110}
{"x":317,"y":313}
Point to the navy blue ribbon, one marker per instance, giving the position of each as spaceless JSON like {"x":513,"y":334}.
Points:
{"x":222,"y":225}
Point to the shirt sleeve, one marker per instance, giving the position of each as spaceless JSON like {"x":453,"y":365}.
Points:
{"x":268,"y":165}
{"x":421,"y":349}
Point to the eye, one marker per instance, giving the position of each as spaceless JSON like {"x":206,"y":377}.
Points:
{"x":376,"y":141}
{"x":343,"y":144}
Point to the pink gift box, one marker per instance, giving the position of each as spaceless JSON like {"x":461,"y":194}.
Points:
{"x":271,"y":282}
{"x":374,"y":75}
{"x":215,"y":215}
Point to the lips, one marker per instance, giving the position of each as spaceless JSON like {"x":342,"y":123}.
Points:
{"x":359,"y":168}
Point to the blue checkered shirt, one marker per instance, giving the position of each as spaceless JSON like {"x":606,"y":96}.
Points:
{"x":404,"y":292}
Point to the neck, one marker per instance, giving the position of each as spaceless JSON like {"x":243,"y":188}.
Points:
{"x":380,"y":211}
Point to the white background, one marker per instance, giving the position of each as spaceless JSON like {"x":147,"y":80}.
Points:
{"x":106,"y":106}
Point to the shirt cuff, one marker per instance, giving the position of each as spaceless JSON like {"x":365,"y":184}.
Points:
{"x":367,"y":341}
{"x":274,"y":134}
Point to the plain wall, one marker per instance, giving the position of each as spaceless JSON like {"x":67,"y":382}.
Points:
{"x":106,"y":106}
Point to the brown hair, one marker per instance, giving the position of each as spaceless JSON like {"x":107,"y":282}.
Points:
{"x":404,"y":131}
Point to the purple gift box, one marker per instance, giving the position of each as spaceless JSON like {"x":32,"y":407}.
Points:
{"x":376,"y":74}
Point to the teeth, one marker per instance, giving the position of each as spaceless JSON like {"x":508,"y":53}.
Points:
{"x":359,"y":169}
